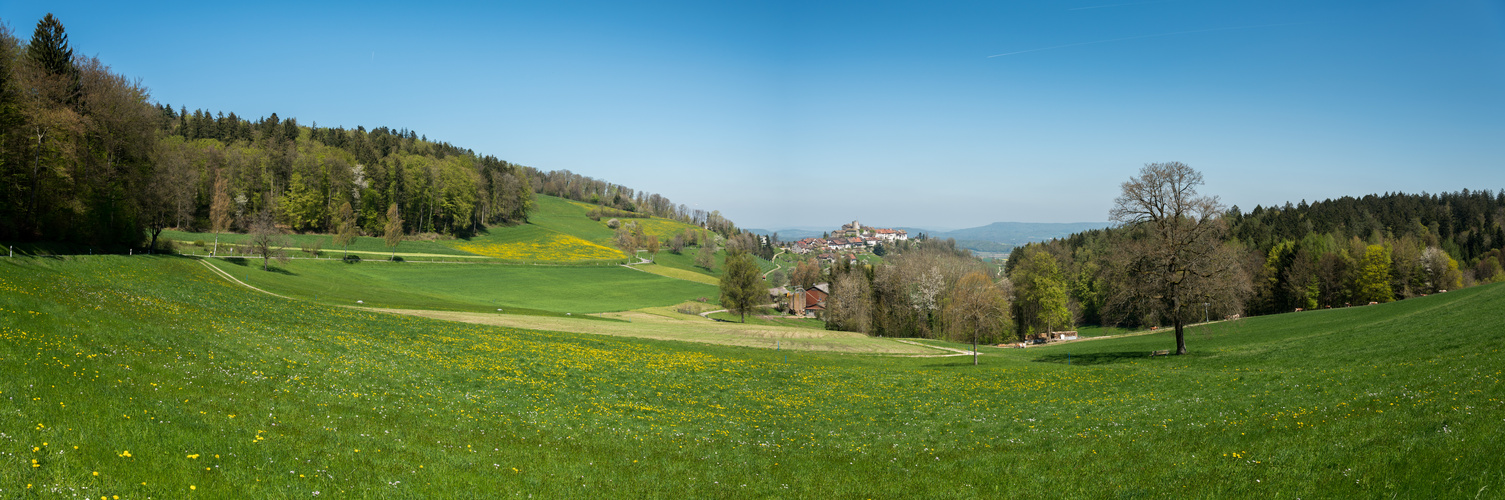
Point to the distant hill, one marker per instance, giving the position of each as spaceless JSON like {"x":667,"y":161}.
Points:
{"x":791,"y":234}
{"x":1019,"y":233}
{"x":998,"y":237}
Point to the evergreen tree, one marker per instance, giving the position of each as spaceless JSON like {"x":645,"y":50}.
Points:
{"x":49,"y":49}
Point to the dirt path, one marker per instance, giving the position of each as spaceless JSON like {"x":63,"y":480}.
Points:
{"x":776,"y":265}
{"x":954,"y":352}
{"x":232,"y":279}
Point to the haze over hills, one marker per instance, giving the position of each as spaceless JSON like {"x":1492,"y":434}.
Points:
{"x":995,"y":237}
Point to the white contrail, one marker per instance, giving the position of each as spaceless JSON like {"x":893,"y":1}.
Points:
{"x":1157,"y":35}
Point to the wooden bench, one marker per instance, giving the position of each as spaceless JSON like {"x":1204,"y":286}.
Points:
{"x":1162,"y":352}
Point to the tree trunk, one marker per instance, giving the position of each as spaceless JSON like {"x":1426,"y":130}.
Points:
{"x":1180,"y":337}
{"x":974,"y":347}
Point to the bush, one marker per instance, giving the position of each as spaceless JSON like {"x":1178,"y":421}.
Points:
{"x":613,"y":224}
{"x":352,"y":259}
{"x":165,"y":246}
{"x":199,"y":243}
{"x":311,"y":247}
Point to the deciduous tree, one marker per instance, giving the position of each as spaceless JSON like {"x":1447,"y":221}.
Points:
{"x":977,"y":307}
{"x":1373,"y":280}
{"x":345,"y":229}
{"x":806,"y":274}
{"x":393,"y":231}
{"x":742,"y":288}
{"x":706,"y":256}
{"x":1039,"y":292}
{"x":219,"y":209}
{"x":850,"y":305}
{"x":1177,"y":257}
{"x":266,"y":240}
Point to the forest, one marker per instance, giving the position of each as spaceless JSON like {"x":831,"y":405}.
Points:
{"x":87,"y":158}
{"x":1332,"y":253}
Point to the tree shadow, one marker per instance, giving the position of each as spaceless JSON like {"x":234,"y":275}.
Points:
{"x":1094,"y":358}
{"x":954,"y":362}
{"x":239,"y":261}
{"x":278,"y":270}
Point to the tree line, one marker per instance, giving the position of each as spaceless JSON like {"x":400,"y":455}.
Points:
{"x":608,"y":196}
{"x":87,"y":158}
{"x":1332,"y":253}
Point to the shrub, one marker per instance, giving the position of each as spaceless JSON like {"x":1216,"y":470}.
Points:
{"x":165,"y":246}
{"x":613,"y":224}
{"x":352,"y":259}
{"x":311,"y":247}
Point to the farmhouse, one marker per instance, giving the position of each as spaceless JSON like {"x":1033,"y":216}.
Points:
{"x":810,"y":301}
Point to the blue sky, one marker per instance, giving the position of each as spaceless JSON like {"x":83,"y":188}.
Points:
{"x":929,"y":114}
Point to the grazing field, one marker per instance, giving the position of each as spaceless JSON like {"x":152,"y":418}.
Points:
{"x":520,"y":289}
{"x":154,"y":377}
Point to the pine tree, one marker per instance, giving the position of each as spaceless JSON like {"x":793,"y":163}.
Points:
{"x":49,"y":49}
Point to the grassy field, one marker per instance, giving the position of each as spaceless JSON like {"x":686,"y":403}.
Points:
{"x":557,"y":232}
{"x":517,"y":289}
{"x":153,"y":377}
{"x":366,"y":246}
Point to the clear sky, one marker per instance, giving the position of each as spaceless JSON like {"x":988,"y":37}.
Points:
{"x":928,"y":114}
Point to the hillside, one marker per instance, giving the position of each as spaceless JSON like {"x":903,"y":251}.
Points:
{"x":558,"y":232}
{"x":152,"y":376}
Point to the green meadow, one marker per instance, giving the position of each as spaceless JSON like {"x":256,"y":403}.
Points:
{"x":517,"y":289}
{"x":156,"y":377}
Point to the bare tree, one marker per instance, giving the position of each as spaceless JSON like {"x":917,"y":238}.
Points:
{"x":977,"y":306}
{"x":806,"y":273}
{"x":345,"y":227}
{"x":706,"y":256}
{"x":1176,"y":257}
{"x":219,"y":209}
{"x":266,"y":241}
{"x":850,"y":306}
{"x":393,"y":233}
{"x":677,"y":244}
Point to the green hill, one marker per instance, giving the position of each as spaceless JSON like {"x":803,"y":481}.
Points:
{"x":152,"y":376}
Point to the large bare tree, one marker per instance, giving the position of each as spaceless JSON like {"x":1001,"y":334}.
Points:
{"x":977,"y":307}
{"x":266,"y":239}
{"x":1176,"y":259}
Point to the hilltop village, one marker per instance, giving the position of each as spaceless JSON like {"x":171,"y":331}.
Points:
{"x":849,"y":241}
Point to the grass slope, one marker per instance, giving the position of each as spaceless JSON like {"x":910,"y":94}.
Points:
{"x":150,"y":376}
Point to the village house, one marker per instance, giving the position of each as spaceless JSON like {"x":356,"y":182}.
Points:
{"x":811,"y":301}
